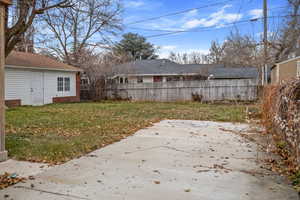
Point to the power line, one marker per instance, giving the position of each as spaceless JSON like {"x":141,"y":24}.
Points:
{"x":171,"y":31}
{"x":180,"y":12}
{"x":213,"y":27}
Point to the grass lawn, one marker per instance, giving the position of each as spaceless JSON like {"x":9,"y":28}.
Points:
{"x":59,"y":132}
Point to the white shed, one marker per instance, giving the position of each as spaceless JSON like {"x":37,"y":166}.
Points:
{"x":32,"y":79}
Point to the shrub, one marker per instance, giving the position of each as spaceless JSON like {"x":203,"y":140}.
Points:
{"x":281,"y":117}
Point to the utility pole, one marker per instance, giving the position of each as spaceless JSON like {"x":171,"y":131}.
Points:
{"x":265,"y":67}
{"x":3,"y":5}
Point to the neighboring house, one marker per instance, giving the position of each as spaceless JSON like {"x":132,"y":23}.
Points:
{"x":32,"y":79}
{"x":285,"y":70}
{"x":163,"y":70}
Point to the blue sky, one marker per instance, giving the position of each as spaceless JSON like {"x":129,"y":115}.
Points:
{"x":218,"y":16}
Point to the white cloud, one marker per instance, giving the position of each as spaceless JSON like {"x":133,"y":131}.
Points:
{"x":190,"y":20}
{"x":165,"y":24}
{"x":193,"y":23}
{"x":261,"y":34}
{"x":163,"y":53}
{"x":142,"y":4}
{"x":215,"y":19}
{"x":192,"y":13}
{"x":256,"y":13}
{"x":202,"y":51}
{"x":168,"y":47}
{"x":134,"y":4}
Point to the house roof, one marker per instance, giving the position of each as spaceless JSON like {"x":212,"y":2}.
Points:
{"x":167,"y":67}
{"x":154,"y":67}
{"x":234,"y":72}
{"x":288,"y":60}
{"x":36,"y":61}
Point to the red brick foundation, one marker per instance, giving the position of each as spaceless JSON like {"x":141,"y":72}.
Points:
{"x":13,"y":103}
{"x":66,"y":99}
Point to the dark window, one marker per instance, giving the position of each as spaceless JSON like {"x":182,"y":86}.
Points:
{"x":83,"y":81}
{"x":173,"y":78}
{"x":121,"y":80}
{"x":140,"y":79}
{"x":60,"y":84}
{"x":157,"y":79}
{"x":126,"y":80}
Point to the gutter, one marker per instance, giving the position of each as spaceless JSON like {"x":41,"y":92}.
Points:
{"x":43,"y":68}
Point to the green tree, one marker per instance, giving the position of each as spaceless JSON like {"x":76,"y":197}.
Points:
{"x":136,"y":47}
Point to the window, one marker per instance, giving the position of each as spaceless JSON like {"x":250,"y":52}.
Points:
{"x":84,"y":82}
{"x":121,"y":80}
{"x":157,"y":79}
{"x":173,"y":78}
{"x":63,"y":84}
{"x":60,"y":84}
{"x":140,"y":79}
{"x":67,"y":84}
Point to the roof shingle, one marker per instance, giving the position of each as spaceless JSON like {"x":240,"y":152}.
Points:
{"x":30,"y":60}
{"x":167,"y":67}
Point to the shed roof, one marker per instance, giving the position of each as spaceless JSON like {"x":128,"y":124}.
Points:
{"x":36,"y":61}
{"x":167,"y":67}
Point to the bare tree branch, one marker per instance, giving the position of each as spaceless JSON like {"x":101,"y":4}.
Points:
{"x":27,"y":12}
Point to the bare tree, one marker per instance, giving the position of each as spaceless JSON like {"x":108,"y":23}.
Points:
{"x":216,"y":52}
{"x":237,"y":50}
{"x":28,"y":10}
{"x":98,"y":67}
{"x":85,"y":26}
{"x":189,"y":58}
{"x":241,"y":50}
{"x":198,"y":58}
{"x":286,"y":40}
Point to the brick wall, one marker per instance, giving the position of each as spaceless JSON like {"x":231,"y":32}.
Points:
{"x":13,"y":103}
{"x":66,"y":99}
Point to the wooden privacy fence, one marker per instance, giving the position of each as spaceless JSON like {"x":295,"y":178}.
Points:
{"x":205,"y":90}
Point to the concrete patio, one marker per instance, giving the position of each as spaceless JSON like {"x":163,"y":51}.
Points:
{"x":174,"y":159}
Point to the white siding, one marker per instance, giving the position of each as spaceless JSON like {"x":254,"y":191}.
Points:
{"x":18,"y":84}
{"x":148,"y":79}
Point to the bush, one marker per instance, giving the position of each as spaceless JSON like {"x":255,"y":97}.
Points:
{"x":281,"y":118}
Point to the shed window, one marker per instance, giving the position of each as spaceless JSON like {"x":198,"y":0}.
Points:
{"x":67,"y":84}
{"x":60,"y":84}
{"x":63,"y":84}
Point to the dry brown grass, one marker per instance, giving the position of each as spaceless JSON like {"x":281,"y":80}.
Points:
{"x":268,"y":106}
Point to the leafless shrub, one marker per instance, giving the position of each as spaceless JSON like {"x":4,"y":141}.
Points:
{"x":197,"y":97}
{"x":281,"y":117}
